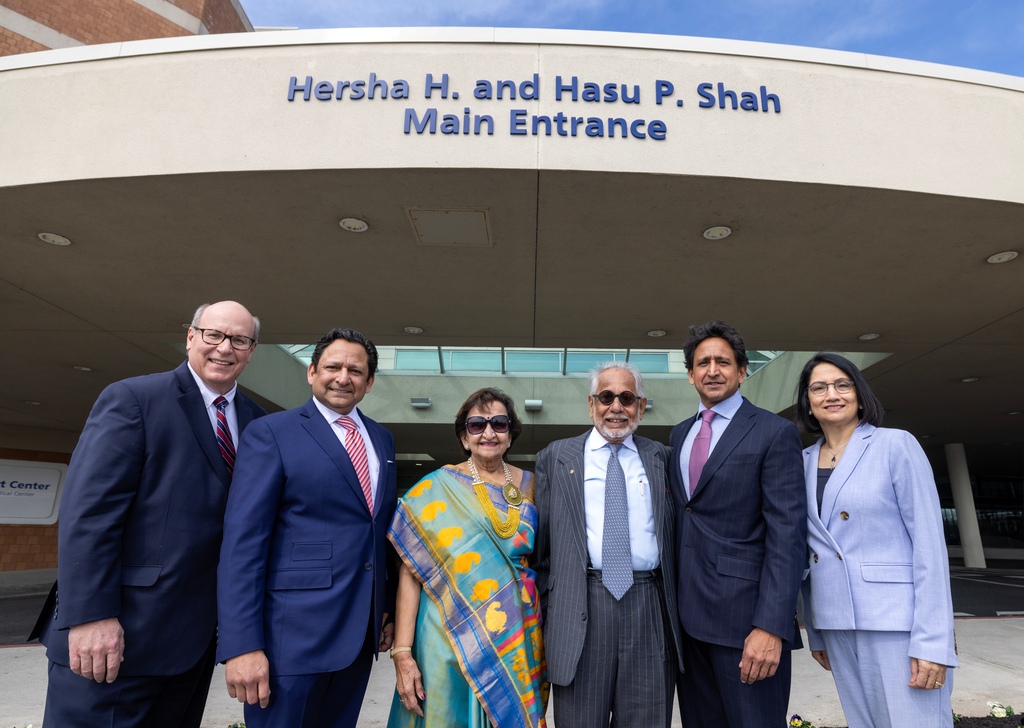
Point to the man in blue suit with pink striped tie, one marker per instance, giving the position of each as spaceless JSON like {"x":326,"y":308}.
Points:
{"x":737,"y":482}
{"x":305,"y":584}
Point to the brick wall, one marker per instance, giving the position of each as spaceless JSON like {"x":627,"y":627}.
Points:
{"x":111,"y":21}
{"x":12,"y":43}
{"x":29,"y":547}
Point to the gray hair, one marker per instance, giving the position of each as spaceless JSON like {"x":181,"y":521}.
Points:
{"x":596,"y":373}
{"x":199,"y":314}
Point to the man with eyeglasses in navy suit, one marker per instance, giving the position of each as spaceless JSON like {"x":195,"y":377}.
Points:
{"x":605,"y":562}
{"x":130,"y":625}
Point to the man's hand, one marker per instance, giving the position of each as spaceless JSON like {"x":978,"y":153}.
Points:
{"x":248,"y":678}
{"x":822,"y":657}
{"x":387,"y":635}
{"x":96,"y":649}
{"x":761,"y":654}
{"x":926,"y":675}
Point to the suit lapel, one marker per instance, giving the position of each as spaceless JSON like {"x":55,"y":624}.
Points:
{"x":243,"y":413}
{"x":811,"y":481}
{"x":320,"y":430}
{"x":191,"y":401}
{"x":858,"y":445}
{"x":570,"y":479}
{"x":378,"y":446}
{"x":734,"y":433}
{"x":655,"y":474}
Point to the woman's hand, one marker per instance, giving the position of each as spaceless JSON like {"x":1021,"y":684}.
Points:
{"x":926,"y":675}
{"x":822,"y":657}
{"x":409,"y":682}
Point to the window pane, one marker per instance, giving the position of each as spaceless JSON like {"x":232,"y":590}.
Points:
{"x":650,"y":362}
{"x":476,"y":361}
{"x":533,"y":361}
{"x":416,"y":359}
{"x":584,"y":361}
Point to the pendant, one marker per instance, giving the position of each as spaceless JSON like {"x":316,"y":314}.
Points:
{"x":513,"y":496}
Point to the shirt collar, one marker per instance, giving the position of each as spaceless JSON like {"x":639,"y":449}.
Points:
{"x":596,"y":441}
{"x":331,"y":416}
{"x":208,"y":394}
{"x":727,"y":408}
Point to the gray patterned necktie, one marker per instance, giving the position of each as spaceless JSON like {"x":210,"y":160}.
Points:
{"x":616,"y":555}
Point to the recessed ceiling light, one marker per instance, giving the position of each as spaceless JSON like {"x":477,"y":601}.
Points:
{"x":1013,"y":413}
{"x":55,"y":239}
{"x":32,"y":402}
{"x":968,"y":380}
{"x":353,"y":225}
{"x":80,"y":368}
{"x":1004,"y":257}
{"x":419,"y":465}
{"x":868,"y":337}
{"x":656,"y":333}
{"x":413,"y":330}
{"x":717,"y":232}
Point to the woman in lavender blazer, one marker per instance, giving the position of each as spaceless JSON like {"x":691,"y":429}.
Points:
{"x":877,"y":600}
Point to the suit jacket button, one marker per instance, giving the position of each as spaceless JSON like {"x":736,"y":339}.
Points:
{"x":688,"y":510}
{"x":845,"y":516}
{"x":367,"y":566}
{"x":583,"y":617}
{"x":815,"y":558}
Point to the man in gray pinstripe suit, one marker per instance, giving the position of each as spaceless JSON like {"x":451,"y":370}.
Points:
{"x":605,"y":562}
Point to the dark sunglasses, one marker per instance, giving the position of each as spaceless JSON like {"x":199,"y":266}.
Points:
{"x":476,"y":425}
{"x":607,"y":397}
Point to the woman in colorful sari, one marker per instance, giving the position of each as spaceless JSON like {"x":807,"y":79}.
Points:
{"x":468,"y":649}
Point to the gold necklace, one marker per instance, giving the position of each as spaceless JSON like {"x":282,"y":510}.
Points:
{"x":512,"y":495}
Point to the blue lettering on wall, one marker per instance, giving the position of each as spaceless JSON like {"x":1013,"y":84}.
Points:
{"x":442,"y":86}
{"x":412,"y":120}
{"x":704,"y":91}
{"x":661,"y":90}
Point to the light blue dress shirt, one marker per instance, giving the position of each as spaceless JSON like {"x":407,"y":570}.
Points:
{"x":642,"y":540}
{"x":724,"y":412}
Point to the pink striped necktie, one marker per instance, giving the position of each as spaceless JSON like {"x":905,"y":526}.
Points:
{"x":699,"y":451}
{"x":357,"y":454}
{"x":224,"y":441}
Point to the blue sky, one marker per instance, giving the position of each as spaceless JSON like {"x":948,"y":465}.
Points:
{"x":984,"y":34}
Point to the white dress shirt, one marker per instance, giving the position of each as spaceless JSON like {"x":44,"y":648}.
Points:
{"x":642,"y":540}
{"x":209,"y":396}
{"x":724,"y":412}
{"x":372,"y":461}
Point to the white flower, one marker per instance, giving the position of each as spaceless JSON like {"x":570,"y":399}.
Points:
{"x":996,"y":709}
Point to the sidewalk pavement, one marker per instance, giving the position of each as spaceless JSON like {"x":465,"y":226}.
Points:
{"x":990,"y":669}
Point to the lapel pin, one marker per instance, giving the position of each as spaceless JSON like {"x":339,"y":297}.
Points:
{"x":571,"y":472}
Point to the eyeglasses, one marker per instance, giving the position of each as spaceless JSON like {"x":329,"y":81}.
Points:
{"x":214,"y":337}
{"x":476,"y":425}
{"x":607,"y":397}
{"x":820,"y":389}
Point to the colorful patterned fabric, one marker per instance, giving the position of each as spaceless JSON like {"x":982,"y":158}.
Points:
{"x":478,"y":632}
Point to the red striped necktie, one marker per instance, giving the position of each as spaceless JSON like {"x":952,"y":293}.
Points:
{"x":224,"y":442}
{"x":357,"y":454}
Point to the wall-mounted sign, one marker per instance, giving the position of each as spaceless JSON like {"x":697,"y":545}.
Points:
{"x":30,"y":491}
{"x":576,"y":94}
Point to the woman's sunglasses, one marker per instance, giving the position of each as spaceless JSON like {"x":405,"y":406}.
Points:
{"x":476,"y":425}
{"x":607,"y":397}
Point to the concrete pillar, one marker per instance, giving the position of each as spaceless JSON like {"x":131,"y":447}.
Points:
{"x":963,"y":501}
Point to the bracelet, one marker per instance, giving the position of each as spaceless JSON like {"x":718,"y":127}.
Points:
{"x":396,"y":650}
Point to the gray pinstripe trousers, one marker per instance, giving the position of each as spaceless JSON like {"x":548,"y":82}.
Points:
{"x":627,"y":668}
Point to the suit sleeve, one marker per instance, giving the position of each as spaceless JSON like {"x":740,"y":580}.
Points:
{"x":253,"y":501}
{"x":931,"y":637}
{"x":540,"y":559}
{"x":102,"y":481}
{"x":784,"y":508}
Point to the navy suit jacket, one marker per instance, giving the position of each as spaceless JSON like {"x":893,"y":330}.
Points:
{"x":742,"y":537}
{"x":140,"y":524}
{"x":305,"y":568}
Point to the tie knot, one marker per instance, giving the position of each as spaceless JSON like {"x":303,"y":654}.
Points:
{"x":708,"y":415}
{"x":220,"y":403}
{"x":615,"y":447}
{"x":347,"y":422}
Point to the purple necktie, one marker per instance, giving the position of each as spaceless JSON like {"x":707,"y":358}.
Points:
{"x":699,"y":452}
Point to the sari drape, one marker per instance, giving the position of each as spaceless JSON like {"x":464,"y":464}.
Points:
{"x":478,"y":637}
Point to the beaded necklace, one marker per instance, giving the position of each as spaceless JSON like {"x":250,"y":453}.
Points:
{"x":513,"y":496}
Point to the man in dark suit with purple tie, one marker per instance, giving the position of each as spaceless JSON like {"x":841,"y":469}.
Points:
{"x":305,"y":583}
{"x":130,"y":625}
{"x":741,"y":513}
